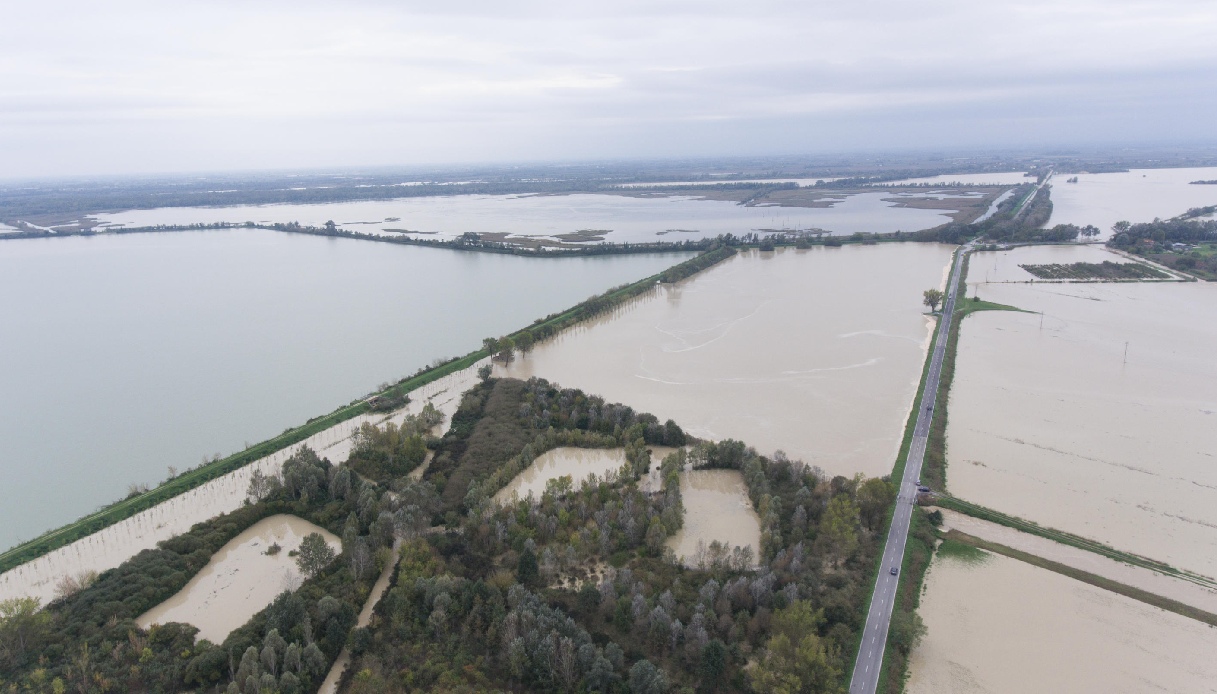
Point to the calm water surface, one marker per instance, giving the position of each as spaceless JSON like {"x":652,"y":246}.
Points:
{"x":817,"y":352}
{"x":240,"y":579}
{"x":124,"y":355}
{"x":1006,"y":627}
{"x":1052,"y":423}
{"x":674,"y":218}
{"x":1138,"y":195}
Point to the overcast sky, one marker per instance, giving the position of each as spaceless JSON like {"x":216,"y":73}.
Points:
{"x":121,"y":87}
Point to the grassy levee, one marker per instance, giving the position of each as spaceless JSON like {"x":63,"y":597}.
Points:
{"x":1087,"y":577}
{"x":121,"y":510}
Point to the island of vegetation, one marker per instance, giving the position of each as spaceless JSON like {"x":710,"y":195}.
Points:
{"x":1106,"y":270}
{"x":1187,"y":243}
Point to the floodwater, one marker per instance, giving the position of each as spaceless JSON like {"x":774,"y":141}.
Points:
{"x":716,"y":508}
{"x":1056,"y":425}
{"x":972,"y":179}
{"x":1002,"y":626}
{"x":798,"y":181}
{"x":1184,"y":591}
{"x":117,"y":543}
{"x":817,"y":353}
{"x":127,"y":354}
{"x":1003,"y":266}
{"x":1138,"y":195}
{"x":632,"y":219}
{"x":578,"y":463}
{"x":240,"y":579}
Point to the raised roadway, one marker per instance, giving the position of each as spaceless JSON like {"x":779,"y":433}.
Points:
{"x":865,"y":679}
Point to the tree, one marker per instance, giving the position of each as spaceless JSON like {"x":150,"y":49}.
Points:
{"x":527,"y":571}
{"x":1121,"y":227}
{"x":645,"y":678}
{"x":874,"y":497}
{"x":506,"y":349}
{"x":838,"y":536}
{"x":22,"y":629}
{"x":314,"y":554}
{"x":525,"y":341}
{"x":796,"y":659}
{"x":906,"y":630}
{"x":713,"y":663}
{"x":931,"y":298}
{"x":484,"y":372}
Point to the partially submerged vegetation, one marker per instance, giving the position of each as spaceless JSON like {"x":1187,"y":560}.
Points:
{"x":383,"y":453}
{"x":1106,"y":270}
{"x":575,"y":590}
{"x":89,"y":640}
{"x":1187,"y":243}
{"x":502,"y":425}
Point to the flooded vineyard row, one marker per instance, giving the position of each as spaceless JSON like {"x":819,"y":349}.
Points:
{"x":117,"y":543}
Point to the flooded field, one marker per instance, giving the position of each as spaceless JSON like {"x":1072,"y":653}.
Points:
{"x":716,"y":508}
{"x":240,"y":579}
{"x":1186,"y":592}
{"x":816,"y":353}
{"x":1138,"y":195}
{"x":973,"y":179}
{"x":577,"y":463}
{"x":1002,"y":626}
{"x":625,"y":218}
{"x":1003,"y":266}
{"x":117,"y":543}
{"x":1055,"y":424}
{"x":148,"y":351}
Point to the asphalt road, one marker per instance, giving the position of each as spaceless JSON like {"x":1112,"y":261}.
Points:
{"x":865,"y":679}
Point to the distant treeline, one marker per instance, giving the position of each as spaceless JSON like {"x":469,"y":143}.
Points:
{"x":1178,"y":230}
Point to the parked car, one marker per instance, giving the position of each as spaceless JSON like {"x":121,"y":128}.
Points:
{"x":923,"y":488}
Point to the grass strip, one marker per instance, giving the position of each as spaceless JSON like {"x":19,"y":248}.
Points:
{"x":1085,"y":577}
{"x":190,"y":479}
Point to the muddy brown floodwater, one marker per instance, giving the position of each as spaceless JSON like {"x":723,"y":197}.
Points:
{"x":1001,"y":625}
{"x":240,"y":579}
{"x":816,"y":352}
{"x":1053,"y":425}
{"x":577,"y":463}
{"x":716,"y":508}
